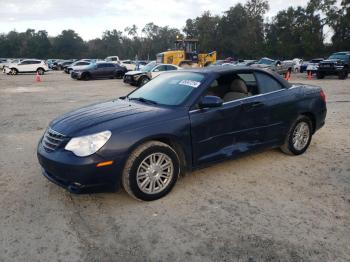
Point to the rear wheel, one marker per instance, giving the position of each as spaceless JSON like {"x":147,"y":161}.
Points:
{"x":299,"y":136}
{"x":151,"y":171}
{"x":118,"y":75}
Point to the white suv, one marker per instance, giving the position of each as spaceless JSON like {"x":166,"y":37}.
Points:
{"x":27,"y":66}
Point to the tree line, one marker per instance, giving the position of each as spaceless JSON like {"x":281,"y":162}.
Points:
{"x":243,"y":31}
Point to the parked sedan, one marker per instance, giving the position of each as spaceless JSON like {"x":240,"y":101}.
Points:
{"x":77,"y":65}
{"x":280,"y":67}
{"x":99,"y":70}
{"x":179,"y":121}
{"x":151,"y":70}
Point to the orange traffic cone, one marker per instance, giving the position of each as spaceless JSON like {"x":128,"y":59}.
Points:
{"x":287,"y":75}
{"x":309,"y":75}
{"x":37,"y":78}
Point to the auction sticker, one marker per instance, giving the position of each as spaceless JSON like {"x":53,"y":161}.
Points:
{"x":190,"y":83}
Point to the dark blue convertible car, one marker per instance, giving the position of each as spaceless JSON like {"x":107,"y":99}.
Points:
{"x":178,"y":121}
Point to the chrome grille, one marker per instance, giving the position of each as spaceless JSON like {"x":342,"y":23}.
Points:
{"x":326,"y":65}
{"x":53,"y":140}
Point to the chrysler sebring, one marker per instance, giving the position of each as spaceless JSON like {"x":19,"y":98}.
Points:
{"x":179,"y":121}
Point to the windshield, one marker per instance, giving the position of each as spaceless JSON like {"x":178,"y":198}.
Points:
{"x":339,"y":56}
{"x":168,"y":89}
{"x":265,"y":61}
{"x":149,"y":66}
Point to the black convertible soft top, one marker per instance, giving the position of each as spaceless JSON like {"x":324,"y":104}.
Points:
{"x":223,"y":70}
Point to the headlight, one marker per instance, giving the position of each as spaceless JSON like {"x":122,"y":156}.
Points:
{"x":88,"y":145}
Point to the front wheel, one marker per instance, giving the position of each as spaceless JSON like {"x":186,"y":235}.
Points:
{"x":319,"y":75}
{"x":144,"y":80}
{"x":343,"y":74}
{"x":86,"y":77}
{"x":151,"y":171}
{"x":299,"y":137}
{"x":40,"y":71}
{"x":13,"y":71}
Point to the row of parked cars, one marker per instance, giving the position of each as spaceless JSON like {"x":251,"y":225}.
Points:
{"x":138,"y":73}
{"x":336,"y":64}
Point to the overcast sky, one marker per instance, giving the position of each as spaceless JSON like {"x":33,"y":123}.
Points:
{"x":91,"y":18}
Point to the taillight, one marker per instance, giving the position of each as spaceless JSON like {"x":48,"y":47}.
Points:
{"x":323,"y":95}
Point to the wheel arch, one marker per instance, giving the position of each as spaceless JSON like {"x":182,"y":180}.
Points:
{"x":171,"y":141}
{"x":312,"y":117}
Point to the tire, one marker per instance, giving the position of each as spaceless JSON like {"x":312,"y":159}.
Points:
{"x":13,"y":71}
{"x":137,"y":180}
{"x":40,"y":71}
{"x":342,"y":75}
{"x":144,"y":80}
{"x":118,"y":75}
{"x":86,"y":76}
{"x":319,"y":75}
{"x":301,"y":130}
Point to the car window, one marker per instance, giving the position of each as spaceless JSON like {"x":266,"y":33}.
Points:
{"x":169,"y":68}
{"x":160,"y":68}
{"x":248,"y":78}
{"x":267,"y":83}
{"x":102,"y":65}
{"x":169,"y":89}
{"x":231,"y":87}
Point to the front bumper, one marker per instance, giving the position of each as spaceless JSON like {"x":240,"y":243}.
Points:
{"x":128,"y":79}
{"x":330,"y":70}
{"x":75,"y":75}
{"x":79,"y":174}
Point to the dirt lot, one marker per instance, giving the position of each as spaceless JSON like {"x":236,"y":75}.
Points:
{"x":265,"y":207}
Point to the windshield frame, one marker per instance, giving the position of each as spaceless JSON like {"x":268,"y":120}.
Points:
{"x":271,"y":61}
{"x":187,"y":100}
{"x":148,"y":66}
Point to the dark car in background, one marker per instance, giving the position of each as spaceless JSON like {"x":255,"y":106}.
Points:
{"x":60,"y":64}
{"x":304,"y":65}
{"x":181,"y":120}
{"x":337,"y":64}
{"x":99,"y":70}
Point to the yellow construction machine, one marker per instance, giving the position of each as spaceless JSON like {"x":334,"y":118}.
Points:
{"x":185,"y":55}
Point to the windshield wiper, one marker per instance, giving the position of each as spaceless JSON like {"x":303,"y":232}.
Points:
{"x":143,"y":100}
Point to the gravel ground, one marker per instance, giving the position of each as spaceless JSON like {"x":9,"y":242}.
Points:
{"x":264,"y":207}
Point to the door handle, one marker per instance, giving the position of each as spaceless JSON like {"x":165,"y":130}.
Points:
{"x":252,"y":105}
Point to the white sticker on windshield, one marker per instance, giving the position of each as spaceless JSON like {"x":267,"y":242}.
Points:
{"x":191,"y":83}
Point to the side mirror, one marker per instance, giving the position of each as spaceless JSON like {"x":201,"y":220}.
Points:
{"x":210,"y":101}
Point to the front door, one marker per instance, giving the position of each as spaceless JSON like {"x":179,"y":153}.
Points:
{"x":240,"y":125}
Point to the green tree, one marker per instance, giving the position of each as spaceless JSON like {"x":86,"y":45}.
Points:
{"x":68,"y":45}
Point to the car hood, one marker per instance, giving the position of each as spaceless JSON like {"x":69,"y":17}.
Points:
{"x":132,"y":73}
{"x":261,"y":65}
{"x":330,"y":61}
{"x":117,"y":115}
